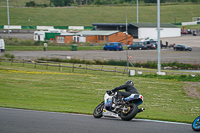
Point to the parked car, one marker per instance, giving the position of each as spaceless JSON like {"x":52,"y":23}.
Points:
{"x":182,"y":47}
{"x":137,"y":45}
{"x":113,"y":46}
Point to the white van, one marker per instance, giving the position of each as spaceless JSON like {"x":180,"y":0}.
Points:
{"x":2,"y":45}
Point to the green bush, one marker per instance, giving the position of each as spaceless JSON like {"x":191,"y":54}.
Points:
{"x":137,"y":64}
{"x":27,"y":42}
{"x":99,"y":62}
{"x":33,"y":4}
{"x":148,"y":64}
{"x":30,"y":4}
{"x":39,"y":43}
{"x":8,"y":55}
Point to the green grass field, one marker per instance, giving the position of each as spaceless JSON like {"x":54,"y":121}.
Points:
{"x":85,"y":16}
{"x":51,"y":90}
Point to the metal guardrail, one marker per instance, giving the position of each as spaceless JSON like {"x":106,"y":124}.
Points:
{"x":17,"y":31}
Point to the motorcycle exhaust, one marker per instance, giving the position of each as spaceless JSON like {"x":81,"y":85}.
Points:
{"x":141,"y":110}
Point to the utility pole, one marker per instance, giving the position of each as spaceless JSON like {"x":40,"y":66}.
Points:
{"x":126,"y":29}
{"x":158,"y":28}
{"x":127,"y":49}
{"x":137,"y":13}
{"x":8,"y":17}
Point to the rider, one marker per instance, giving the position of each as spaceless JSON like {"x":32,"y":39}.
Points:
{"x":129,"y":88}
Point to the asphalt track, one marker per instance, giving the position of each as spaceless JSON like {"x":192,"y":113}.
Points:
{"x":28,"y":121}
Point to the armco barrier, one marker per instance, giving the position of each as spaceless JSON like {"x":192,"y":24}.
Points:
{"x":176,"y":23}
{"x":188,"y":23}
{"x":76,"y":27}
{"x":60,"y":27}
{"x":89,"y":27}
{"x":12,"y":27}
{"x":44,"y":27}
{"x":28,"y":27}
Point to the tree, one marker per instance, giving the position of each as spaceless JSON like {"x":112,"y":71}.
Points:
{"x":121,"y":1}
{"x":154,"y":1}
{"x":67,"y":2}
{"x":58,"y":2}
{"x":30,"y":4}
{"x":194,"y":0}
{"x":97,"y":2}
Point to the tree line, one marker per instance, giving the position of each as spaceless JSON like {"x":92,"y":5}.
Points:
{"x":62,"y":3}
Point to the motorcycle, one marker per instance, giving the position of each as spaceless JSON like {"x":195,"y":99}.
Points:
{"x":196,"y":124}
{"x":127,"y":111}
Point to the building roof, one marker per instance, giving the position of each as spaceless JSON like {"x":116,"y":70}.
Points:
{"x":151,"y":25}
{"x":109,"y":24}
{"x":138,"y":25}
{"x":68,"y":34}
{"x":86,"y":33}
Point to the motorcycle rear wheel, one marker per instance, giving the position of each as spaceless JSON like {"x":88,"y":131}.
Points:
{"x":98,"y":111}
{"x":131,"y":113}
{"x":196,"y":124}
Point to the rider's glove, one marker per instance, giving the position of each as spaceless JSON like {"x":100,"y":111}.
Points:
{"x":109,"y":92}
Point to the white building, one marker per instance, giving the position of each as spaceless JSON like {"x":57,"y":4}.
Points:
{"x":40,"y":35}
{"x":150,"y":30}
{"x":142,"y":30}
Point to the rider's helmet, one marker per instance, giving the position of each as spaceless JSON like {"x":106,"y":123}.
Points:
{"x":129,"y":82}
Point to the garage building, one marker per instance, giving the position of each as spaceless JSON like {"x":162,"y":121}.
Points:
{"x":142,"y":30}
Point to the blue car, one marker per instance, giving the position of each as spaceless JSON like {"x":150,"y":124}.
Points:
{"x":113,"y":46}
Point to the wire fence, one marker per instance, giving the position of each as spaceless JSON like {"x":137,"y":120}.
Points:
{"x":74,"y":67}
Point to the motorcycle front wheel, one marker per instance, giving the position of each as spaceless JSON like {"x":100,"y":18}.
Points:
{"x":196,"y":124}
{"x":130,"y":113}
{"x":98,"y":110}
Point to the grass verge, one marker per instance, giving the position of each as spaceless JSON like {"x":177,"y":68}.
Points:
{"x":50,"y":90}
{"x":49,"y":48}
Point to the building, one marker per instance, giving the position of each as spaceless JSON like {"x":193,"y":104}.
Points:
{"x":142,"y":30}
{"x":43,"y":35}
{"x":95,"y":37}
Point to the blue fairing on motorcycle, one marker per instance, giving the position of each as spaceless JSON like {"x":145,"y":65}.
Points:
{"x":137,"y":99}
{"x":108,"y":106}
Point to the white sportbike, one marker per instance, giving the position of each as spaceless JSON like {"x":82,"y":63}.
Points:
{"x":126,"y":111}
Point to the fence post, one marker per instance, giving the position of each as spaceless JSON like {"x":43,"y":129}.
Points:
{"x":85,"y":68}
{"x":73,"y":68}
{"x":59,"y":66}
{"x":11,"y":61}
{"x":47,"y":66}
{"x":115,"y":70}
{"x":101,"y":69}
{"x":0,"y":60}
{"x":124,"y":71}
{"x":23,"y":62}
{"x":35,"y":65}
